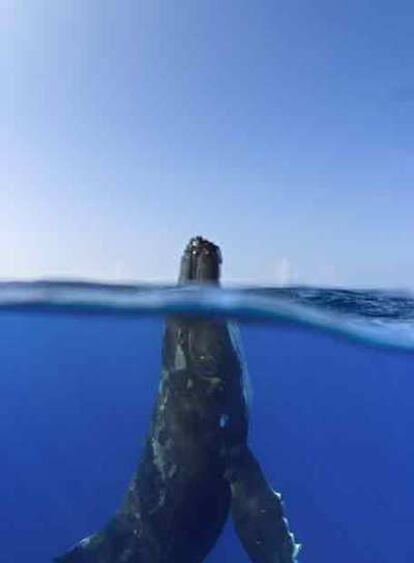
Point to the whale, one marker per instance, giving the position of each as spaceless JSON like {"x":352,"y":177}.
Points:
{"x":196,"y":467}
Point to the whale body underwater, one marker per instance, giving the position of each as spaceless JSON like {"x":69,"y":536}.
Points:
{"x":196,"y":466}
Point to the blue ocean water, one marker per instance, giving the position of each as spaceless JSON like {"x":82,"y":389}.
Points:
{"x":331,"y":414}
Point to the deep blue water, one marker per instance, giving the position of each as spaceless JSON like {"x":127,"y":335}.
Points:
{"x":332,"y":425}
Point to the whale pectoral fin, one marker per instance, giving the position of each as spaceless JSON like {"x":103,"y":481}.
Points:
{"x":257,"y":512}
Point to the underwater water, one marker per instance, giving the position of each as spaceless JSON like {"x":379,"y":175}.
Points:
{"x":331,"y":416}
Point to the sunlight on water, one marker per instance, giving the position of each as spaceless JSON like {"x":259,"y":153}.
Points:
{"x":382,"y":318}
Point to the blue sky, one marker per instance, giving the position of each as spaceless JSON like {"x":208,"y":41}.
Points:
{"x":283,"y":131}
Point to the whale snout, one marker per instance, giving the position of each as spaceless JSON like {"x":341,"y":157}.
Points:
{"x":200,"y":262}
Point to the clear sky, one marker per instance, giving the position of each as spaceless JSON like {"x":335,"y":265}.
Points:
{"x":284,"y":131}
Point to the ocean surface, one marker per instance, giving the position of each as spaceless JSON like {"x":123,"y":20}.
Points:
{"x":332,"y":414}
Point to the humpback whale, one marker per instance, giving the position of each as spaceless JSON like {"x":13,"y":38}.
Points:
{"x":196,"y":466}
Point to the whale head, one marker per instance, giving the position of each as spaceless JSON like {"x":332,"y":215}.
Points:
{"x":200,"y":262}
